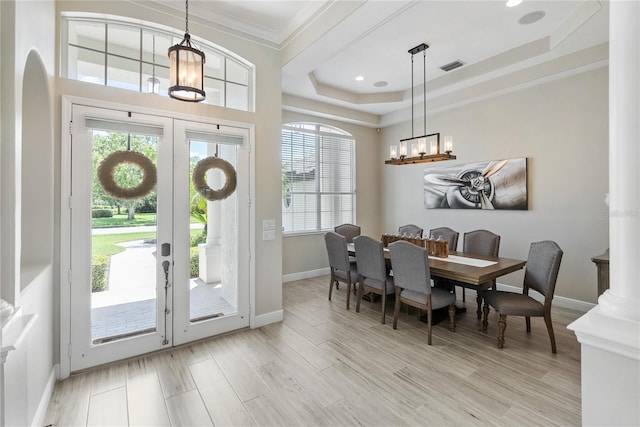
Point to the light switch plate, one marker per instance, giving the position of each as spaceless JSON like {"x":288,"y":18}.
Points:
{"x":268,"y":234}
{"x":268,"y":224}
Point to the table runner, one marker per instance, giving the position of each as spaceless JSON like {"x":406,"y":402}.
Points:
{"x":451,"y":258}
{"x":467,"y":261}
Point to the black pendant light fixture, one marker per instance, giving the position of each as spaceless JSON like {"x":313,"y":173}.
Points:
{"x":426,"y":147}
{"x":186,"y":73}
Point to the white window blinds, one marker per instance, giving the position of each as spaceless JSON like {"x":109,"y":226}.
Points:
{"x":318,"y":178}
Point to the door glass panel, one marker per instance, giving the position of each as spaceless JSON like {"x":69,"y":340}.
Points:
{"x":215,"y":91}
{"x":124,"y":41}
{"x":214,"y":237}
{"x":86,"y":65}
{"x":236,"y":96}
{"x":123,"y":73}
{"x":123,"y":241}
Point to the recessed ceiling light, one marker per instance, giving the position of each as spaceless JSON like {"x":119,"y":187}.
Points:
{"x":359,"y":78}
{"x":381,"y":83}
{"x":513,"y":3}
{"x":532,"y":17}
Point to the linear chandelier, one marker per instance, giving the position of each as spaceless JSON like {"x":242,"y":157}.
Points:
{"x":417,"y":145}
{"x":186,"y":68}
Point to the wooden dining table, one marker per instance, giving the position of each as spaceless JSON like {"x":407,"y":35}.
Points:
{"x":455,"y":268}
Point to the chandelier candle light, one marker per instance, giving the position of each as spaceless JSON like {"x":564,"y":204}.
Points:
{"x":186,"y":75}
{"x":419,"y":144}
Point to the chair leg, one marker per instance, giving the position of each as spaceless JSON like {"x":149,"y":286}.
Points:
{"x":396,"y":311}
{"x":429,"y":314}
{"x":348,"y":293}
{"x":479,"y":301}
{"x":485,"y":320}
{"x":384,"y":304}
{"x":331,"y":280}
{"x":464,"y":297}
{"x":552,"y":337}
{"x":452,"y":317}
{"x":359,"y":298}
{"x":527,"y":321}
{"x":502,"y":325}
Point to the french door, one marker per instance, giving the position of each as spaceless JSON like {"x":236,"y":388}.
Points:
{"x":157,"y":257}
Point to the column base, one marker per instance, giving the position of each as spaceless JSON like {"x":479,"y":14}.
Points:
{"x":210,"y":262}
{"x":610,"y":348}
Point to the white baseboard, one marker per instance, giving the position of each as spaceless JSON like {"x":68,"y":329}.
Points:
{"x":569,"y":303}
{"x":38,"y":418}
{"x":267,"y":319}
{"x":305,"y":275}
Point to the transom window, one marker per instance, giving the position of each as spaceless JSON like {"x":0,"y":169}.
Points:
{"x":132,"y":56}
{"x":318,"y":177}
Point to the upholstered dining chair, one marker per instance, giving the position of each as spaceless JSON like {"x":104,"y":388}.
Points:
{"x":541,"y":272}
{"x":413,"y":284}
{"x":485,"y":243}
{"x":451,"y":236}
{"x":372,"y":271}
{"x":349,"y":231}
{"x":341,"y":269}
{"x":410,"y":230}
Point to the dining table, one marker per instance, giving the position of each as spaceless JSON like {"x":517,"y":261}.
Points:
{"x":468,"y":268}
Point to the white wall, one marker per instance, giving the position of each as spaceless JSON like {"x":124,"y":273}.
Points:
{"x":307,"y":253}
{"x":562,"y":128}
{"x":28,"y":64}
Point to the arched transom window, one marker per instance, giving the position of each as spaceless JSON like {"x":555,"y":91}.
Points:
{"x":134,"y":56}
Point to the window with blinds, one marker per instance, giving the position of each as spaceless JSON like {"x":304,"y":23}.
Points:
{"x":318,"y":177}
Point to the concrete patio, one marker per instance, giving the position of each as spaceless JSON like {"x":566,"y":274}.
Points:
{"x":129,"y":307}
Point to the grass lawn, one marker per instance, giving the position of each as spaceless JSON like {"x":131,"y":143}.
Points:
{"x":106,"y":244}
{"x":122,"y":221}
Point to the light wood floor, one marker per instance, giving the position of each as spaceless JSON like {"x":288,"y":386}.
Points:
{"x":328,"y":366}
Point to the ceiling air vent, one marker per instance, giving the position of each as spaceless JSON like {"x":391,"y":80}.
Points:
{"x":452,"y":66}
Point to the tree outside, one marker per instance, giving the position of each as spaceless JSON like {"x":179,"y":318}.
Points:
{"x":125,"y":175}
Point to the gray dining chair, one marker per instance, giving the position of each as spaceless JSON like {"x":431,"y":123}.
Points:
{"x":349,"y":231}
{"x":484,"y":243}
{"x":541,"y":273}
{"x":451,"y":237}
{"x":410,"y":230}
{"x":341,"y":269}
{"x":412,"y":280}
{"x":372,"y":271}
{"x":446,"y":233}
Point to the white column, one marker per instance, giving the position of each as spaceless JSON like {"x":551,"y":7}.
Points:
{"x":610,"y":333}
{"x":213,"y":210}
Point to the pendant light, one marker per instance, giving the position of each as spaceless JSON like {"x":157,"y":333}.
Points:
{"x":186,"y":72}
{"x":414,"y":150}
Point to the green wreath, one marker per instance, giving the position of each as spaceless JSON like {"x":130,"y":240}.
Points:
{"x":107,"y":168}
{"x":201,"y":185}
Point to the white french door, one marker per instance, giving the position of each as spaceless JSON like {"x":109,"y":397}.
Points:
{"x":158,"y":265}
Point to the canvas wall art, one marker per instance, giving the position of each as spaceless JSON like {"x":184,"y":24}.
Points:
{"x":498,"y":184}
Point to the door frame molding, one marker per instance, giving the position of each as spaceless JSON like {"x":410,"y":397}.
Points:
{"x":68,"y":101}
